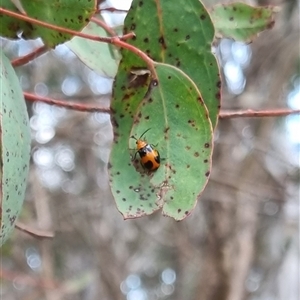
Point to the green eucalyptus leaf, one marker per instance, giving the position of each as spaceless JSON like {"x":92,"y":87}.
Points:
{"x":15,"y":147}
{"x":181,"y":128}
{"x":181,"y":35}
{"x":101,"y":57}
{"x":242,"y":22}
{"x":178,"y":37}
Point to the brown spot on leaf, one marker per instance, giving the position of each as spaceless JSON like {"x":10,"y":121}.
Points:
{"x":161,"y":40}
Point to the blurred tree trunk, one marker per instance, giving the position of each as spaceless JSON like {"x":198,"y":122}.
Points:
{"x":233,"y":219}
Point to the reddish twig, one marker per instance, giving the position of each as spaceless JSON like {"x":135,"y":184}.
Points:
{"x":223,"y":114}
{"x":102,"y":24}
{"x":249,"y":113}
{"x":111,"y":31}
{"x":27,"y":58}
{"x":68,"y":105}
{"x":36,"y":233}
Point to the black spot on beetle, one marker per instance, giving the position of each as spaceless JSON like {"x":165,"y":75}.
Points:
{"x":202,"y":17}
{"x":206,"y":145}
{"x":207,"y":173}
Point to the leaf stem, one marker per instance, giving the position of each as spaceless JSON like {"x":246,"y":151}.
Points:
{"x":102,"y":24}
{"x":112,"y":9}
{"x":20,"y":61}
{"x":37,"y":233}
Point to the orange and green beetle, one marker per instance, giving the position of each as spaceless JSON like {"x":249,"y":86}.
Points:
{"x":149,"y":156}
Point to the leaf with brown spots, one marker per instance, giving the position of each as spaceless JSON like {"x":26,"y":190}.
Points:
{"x":15,"y":147}
{"x":242,"y":22}
{"x":72,"y":14}
{"x":180,"y":35}
{"x":182,"y":137}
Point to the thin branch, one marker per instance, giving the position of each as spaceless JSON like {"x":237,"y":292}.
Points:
{"x":67,"y":105}
{"x":36,"y":233}
{"x":249,"y":113}
{"x":29,"y":57}
{"x":223,"y":114}
{"x":104,"y":26}
{"x":110,"y":30}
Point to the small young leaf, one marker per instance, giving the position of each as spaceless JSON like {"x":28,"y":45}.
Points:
{"x":97,"y":56}
{"x":242,"y":22}
{"x":15,"y":147}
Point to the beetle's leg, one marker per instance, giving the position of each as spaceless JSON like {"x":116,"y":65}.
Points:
{"x":135,"y":155}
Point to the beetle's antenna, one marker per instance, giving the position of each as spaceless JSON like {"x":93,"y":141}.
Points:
{"x":144,"y":133}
